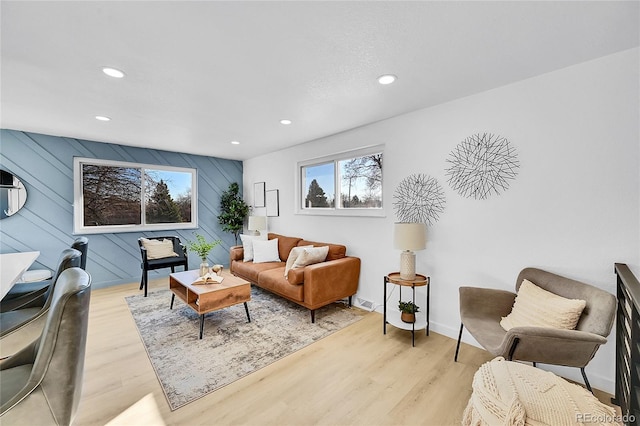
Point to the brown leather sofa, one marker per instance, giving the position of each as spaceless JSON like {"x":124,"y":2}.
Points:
{"x":312,"y":286}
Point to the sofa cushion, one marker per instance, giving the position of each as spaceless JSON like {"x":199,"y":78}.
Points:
{"x":285,"y":244}
{"x":310,"y":256}
{"x":265,"y":251}
{"x":274,"y":280}
{"x":250,"y":270}
{"x":296,"y":276}
{"x":336,"y":251}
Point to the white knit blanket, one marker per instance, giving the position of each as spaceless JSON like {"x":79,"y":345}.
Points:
{"x":511,"y":393}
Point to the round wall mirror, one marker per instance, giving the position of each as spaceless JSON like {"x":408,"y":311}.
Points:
{"x":13,"y":194}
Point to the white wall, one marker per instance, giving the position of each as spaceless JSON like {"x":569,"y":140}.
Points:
{"x":573,"y":209}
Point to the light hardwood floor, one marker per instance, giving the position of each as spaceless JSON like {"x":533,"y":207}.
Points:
{"x":357,"y":376}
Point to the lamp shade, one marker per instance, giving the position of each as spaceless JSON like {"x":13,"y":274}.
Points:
{"x":410,"y":236}
{"x":257,"y":223}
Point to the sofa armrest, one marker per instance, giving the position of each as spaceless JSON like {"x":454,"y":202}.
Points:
{"x":329,"y":281}
{"x":572,"y":348}
{"x":236,"y":253}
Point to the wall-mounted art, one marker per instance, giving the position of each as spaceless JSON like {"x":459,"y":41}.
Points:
{"x":273,"y":201}
{"x":481,"y":165}
{"x":258,"y":194}
{"x":419,"y":198}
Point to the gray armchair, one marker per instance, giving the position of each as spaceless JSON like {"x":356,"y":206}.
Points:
{"x":481,"y":310}
{"x":42,"y":383}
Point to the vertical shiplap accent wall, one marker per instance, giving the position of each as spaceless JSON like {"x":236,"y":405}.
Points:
{"x":45,"y":165}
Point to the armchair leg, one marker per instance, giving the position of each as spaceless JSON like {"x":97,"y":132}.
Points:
{"x":455,"y":359}
{"x":586,"y":381}
{"x":513,"y":349}
{"x":145,"y":280}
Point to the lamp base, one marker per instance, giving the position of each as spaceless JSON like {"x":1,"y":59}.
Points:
{"x":407,"y":265}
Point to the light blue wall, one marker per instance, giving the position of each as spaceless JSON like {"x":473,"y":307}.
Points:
{"x":45,"y":166}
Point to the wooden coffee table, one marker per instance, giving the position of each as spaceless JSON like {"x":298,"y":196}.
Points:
{"x":205,"y":298}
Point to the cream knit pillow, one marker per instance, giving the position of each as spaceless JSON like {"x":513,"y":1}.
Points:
{"x":535,"y":307}
{"x":157,"y":249}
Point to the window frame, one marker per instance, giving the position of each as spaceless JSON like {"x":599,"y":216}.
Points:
{"x":78,"y":198}
{"x":337,"y":210}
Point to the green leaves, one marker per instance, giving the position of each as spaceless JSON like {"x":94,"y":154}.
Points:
{"x":201,"y":246}
{"x":233,"y":210}
{"x":408,"y":307}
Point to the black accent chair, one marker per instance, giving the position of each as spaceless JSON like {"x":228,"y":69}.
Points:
{"x":22,"y":294}
{"x":165,"y":262}
{"x":13,"y":320}
{"x":42,"y":383}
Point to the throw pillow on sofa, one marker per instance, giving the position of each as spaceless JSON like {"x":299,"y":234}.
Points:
{"x":265,"y":251}
{"x":309,"y":256}
{"x":293,"y":255}
{"x":247,"y":245}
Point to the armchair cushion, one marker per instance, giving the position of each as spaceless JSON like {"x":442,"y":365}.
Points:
{"x":158,"y":249}
{"x":536,"y":307}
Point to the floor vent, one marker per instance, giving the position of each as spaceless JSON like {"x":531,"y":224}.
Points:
{"x":366,"y":304}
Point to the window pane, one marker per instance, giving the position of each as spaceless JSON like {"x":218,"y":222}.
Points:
{"x":361,"y":182}
{"x":111,"y":195}
{"x":167,"y":196}
{"x":318,"y":186}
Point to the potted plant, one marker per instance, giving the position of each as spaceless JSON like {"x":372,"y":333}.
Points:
{"x":408,"y":310}
{"x":202,"y":248}
{"x":233,"y":210}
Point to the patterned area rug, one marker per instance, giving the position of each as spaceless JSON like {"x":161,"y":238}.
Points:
{"x":189,"y":368}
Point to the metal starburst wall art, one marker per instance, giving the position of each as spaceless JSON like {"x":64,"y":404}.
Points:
{"x":419,"y":199}
{"x":482,"y":165}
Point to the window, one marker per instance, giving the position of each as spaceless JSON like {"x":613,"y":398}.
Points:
{"x":112,"y":196}
{"x":349,"y":183}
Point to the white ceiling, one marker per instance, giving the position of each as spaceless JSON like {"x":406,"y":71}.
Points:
{"x":201,"y":74}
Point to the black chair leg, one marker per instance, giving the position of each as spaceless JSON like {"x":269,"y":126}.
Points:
{"x":586,"y":381}
{"x":145,"y":279}
{"x":455,"y":359}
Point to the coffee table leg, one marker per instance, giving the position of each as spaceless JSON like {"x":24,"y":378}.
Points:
{"x":173,"y":297}
{"x":201,"y":325}
{"x":246,"y":308}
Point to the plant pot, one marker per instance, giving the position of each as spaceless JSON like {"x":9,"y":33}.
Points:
{"x":407,"y":317}
{"x":204,"y":268}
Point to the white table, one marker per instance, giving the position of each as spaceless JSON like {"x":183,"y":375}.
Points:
{"x":12,"y":266}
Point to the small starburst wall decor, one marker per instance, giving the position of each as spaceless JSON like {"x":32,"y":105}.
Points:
{"x":418,"y":199}
{"x":482,"y":165}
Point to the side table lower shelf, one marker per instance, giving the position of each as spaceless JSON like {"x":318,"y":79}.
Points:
{"x":393,"y":316}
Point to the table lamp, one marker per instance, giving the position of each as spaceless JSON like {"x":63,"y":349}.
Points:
{"x":257,"y":223}
{"x":408,"y":237}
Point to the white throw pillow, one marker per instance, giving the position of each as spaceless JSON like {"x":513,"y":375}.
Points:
{"x":309,"y":256}
{"x":536,"y":307}
{"x":265,"y":251}
{"x":247,"y":244}
{"x":158,"y":249}
{"x":293,"y":255}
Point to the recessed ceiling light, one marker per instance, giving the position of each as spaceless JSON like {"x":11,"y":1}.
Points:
{"x":387,"y":79}
{"x":112,"y":72}
{"x":235,"y":143}
{"x":102,"y":118}
{"x":285,"y":121}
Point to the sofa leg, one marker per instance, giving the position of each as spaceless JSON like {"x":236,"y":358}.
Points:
{"x":350,"y":301}
{"x":455,"y":359}
{"x":313,"y":316}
